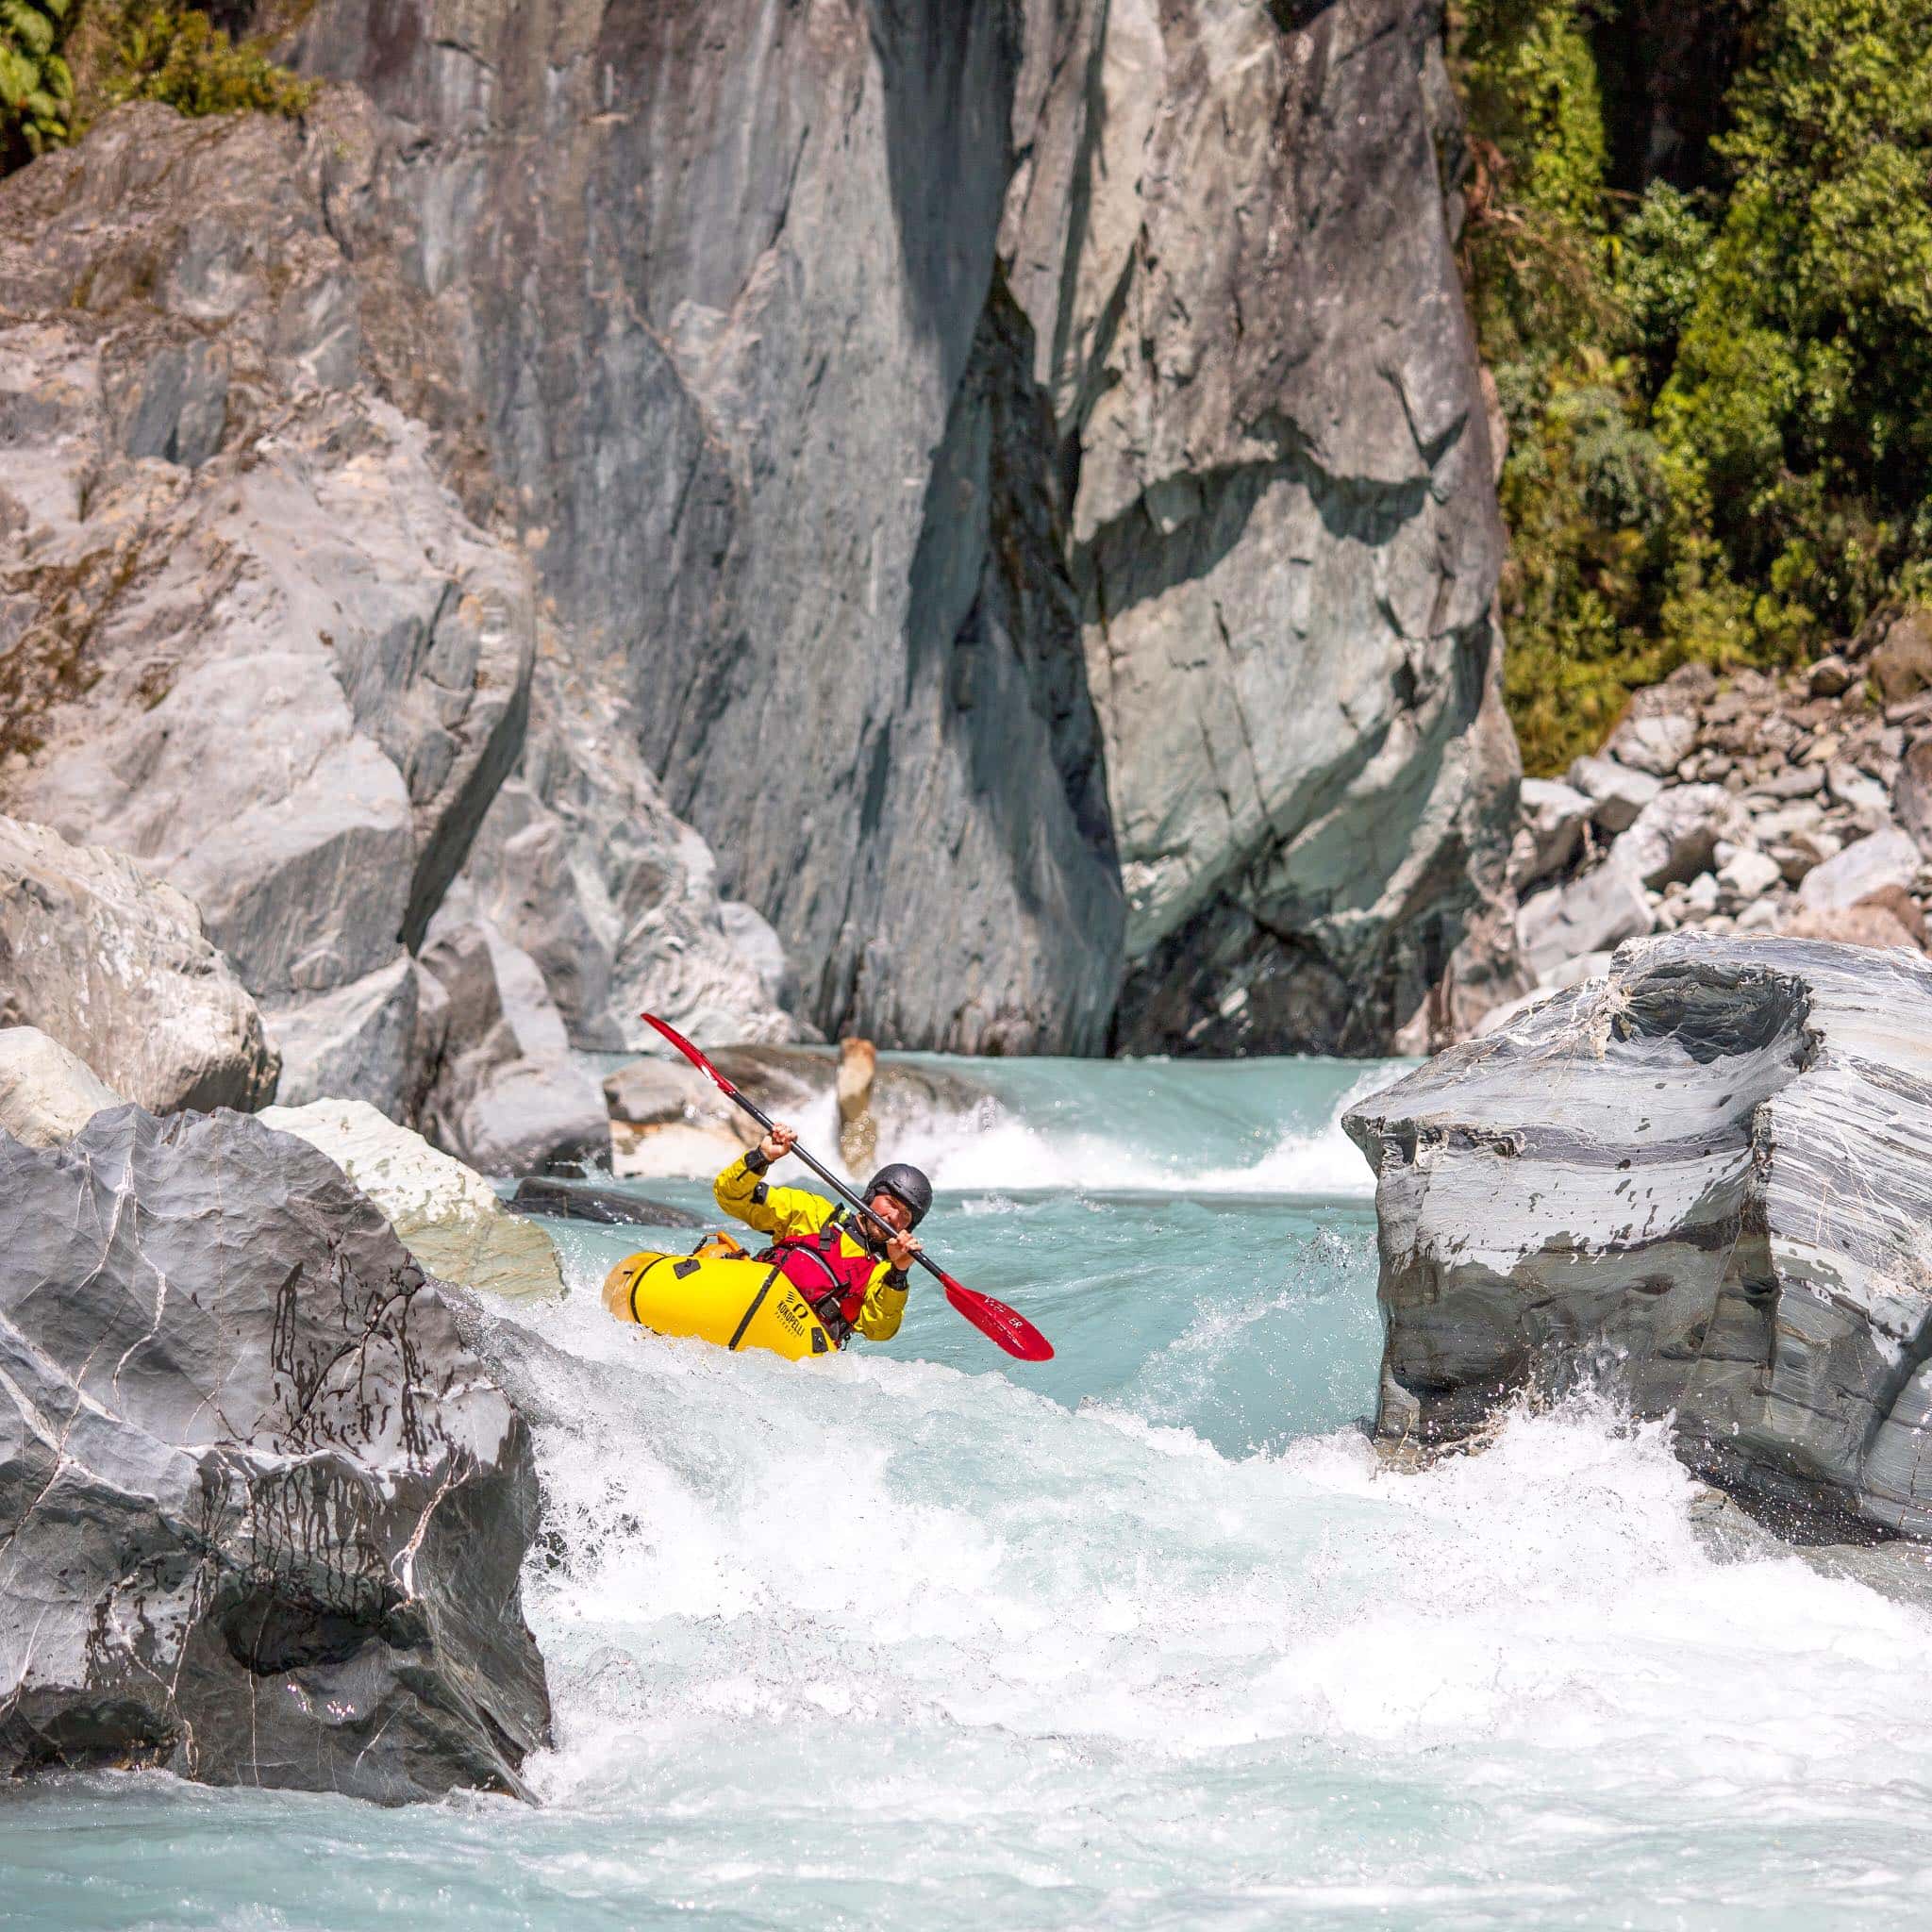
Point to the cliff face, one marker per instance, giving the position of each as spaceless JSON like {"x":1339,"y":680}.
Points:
{"x":721,"y":280}
{"x":988,"y":454}
{"x":249,"y":636}
{"x":1014,"y":476}
{"x":1229,"y":231}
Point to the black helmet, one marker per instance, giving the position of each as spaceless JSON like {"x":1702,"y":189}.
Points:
{"x":905,"y":1184}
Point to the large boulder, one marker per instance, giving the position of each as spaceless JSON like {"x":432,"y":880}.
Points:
{"x":265,"y":1512}
{"x":1554,"y":816}
{"x":113,"y":964}
{"x":1617,"y":794}
{"x":508,"y":1095}
{"x":447,"y":1215}
{"x":1703,"y":1183}
{"x":263,"y":647}
{"x":48,"y":1094}
{"x":1676,"y":836}
{"x":1867,"y":865}
{"x":1588,"y":915}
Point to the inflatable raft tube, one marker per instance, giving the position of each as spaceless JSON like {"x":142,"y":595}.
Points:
{"x":735,"y":1303}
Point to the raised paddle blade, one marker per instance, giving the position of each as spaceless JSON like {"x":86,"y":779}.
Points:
{"x":1011,"y":1330}
{"x":691,"y":1053}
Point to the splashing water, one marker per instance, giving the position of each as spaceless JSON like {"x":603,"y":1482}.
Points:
{"x":1144,"y":1637}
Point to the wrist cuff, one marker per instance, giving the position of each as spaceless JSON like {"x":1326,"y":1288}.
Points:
{"x":756,"y":1160}
{"x":896,"y":1278}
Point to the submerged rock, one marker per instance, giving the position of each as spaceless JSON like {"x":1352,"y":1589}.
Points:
{"x":608,"y":1208}
{"x":1702,"y":1182}
{"x":113,"y":964}
{"x":264,"y":1513}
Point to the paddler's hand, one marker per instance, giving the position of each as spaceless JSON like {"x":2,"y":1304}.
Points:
{"x":778,"y":1142}
{"x":901,"y":1249}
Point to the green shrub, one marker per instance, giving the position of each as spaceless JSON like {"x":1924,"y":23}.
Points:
{"x":181,"y":58}
{"x":65,"y":62}
{"x":36,"y":84}
{"x":1719,"y":408}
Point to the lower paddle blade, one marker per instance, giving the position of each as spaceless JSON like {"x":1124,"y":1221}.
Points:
{"x":1011,"y":1330}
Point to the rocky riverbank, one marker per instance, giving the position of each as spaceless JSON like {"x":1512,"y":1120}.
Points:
{"x":1744,"y":803}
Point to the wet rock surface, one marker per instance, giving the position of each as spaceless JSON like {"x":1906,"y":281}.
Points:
{"x":1702,"y":1182}
{"x":265,"y":1511}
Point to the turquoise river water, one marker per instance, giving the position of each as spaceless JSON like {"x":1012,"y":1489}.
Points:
{"x":1143,"y":1638}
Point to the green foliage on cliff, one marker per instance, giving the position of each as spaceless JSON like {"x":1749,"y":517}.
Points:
{"x":63,"y":63}
{"x":176,"y":55}
{"x":36,"y":84}
{"x":1719,"y":400}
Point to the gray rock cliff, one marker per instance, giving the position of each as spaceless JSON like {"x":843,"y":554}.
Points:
{"x":987,"y":448}
{"x":1700,"y":1183}
{"x":262,"y":1512}
{"x":1228,"y":228}
{"x":263,"y":624}
{"x":1013,"y":475}
{"x":276,"y":663}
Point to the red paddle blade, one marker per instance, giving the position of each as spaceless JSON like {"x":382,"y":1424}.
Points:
{"x":691,"y":1053}
{"x":1011,"y":1330}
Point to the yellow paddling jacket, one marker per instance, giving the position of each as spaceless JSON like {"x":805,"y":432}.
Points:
{"x":744,"y":1193}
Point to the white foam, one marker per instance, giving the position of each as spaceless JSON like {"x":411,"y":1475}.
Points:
{"x":904,"y":1550}
{"x":995,"y":1148}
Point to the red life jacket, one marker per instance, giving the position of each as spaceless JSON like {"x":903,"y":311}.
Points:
{"x":832,"y":1282}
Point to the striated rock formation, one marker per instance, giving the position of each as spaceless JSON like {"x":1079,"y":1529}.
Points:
{"x":883,"y":387}
{"x":265,"y":1512}
{"x":112,"y":964}
{"x":1228,"y":230}
{"x":1700,"y":1182}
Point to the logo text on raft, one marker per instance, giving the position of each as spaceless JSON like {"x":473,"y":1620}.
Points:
{"x":793,"y":1313}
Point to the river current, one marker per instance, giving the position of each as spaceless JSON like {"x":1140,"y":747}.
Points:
{"x":1143,"y":1638}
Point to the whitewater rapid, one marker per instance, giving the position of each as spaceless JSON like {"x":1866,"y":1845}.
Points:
{"x":1147,"y":1637}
